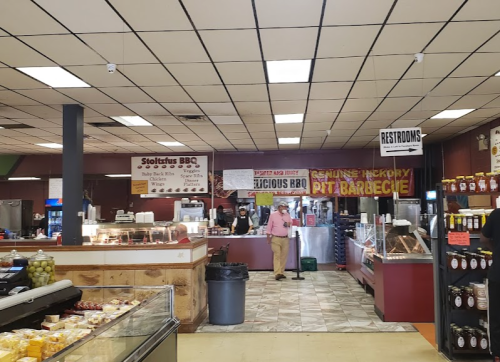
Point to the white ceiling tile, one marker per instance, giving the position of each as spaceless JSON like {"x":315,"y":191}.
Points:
{"x":490,"y":86}
{"x":23,"y":17}
{"x":324,"y":105}
{"x":232,"y":45}
{"x":414,"y":87}
{"x":353,"y":116}
{"x":356,"y":12}
{"x":252,"y":108}
{"x":417,"y":113}
{"x":493,"y":104}
{"x":491,"y":46}
{"x":176,"y":129}
{"x":127,"y":94}
{"x":288,"y":13}
{"x":12,"y":99}
{"x":218,"y":109}
{"x":330,"y":90}
{"x":16,"y":54}
{"x":456,"y":37}
{"x":398,"y":104}
{"x":149,"y":130}
{"x":39,"y":123}
{"x":487,"y":10}
{"x":435,"y":65}
{"x":385,"y":115}
{"x":371,"y":89}
{"x":208,"y":93}
{"x":111,"y":110}
{"x":163,"y":121}
{"x":224,"y":120}
{"x":404,"y":123}
{"x":119,"y":48}
{"x":75,"y":15}
{"x":242,"y":72}
{"x":348,"y":41}
{"x":317,"y":136}
{"x":10,"y":112}
{"x":466,"y":122}
{"x":194,"y":73}
{"x":436,"y":103}
{"x":288,"y":92}
{"x":377,"y":124}
{"x":338,"y":69}
{"x":385,"y":67}
{"x":289,"y":107}
{"x":147,"y":74}
{"x":46,"y":96}
{"x":366,"y":132}
{"x":289,"y":43}
{"x":479,"y":64}
{"x":409,"y":11}
{"x":257,"y":128}
{"x":224,"y":14}
{"x":473,"y":101}
{"x":98,"y":76}
{"x":40,"y":111}
{"x":248,"y":92}
{"x":317,"y":126}
{"x":175,"y":46}
{"x":181,"y":109}
{"x":86,"y":95}
{"x":167,"y":94}
{"x":361,"y":105}
{"x":320,"y":117}
{"x":153,"y":15}
{"x":147,"y":109}
{"x":281,"y":128}
{"x":257,"y":119}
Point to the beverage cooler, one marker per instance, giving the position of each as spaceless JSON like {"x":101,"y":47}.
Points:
{"x":53,"y":215}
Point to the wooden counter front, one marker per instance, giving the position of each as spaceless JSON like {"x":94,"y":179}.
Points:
{"x":181,"y":265}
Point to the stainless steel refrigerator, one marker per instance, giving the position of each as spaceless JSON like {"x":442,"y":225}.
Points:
{"x":17,"y":216}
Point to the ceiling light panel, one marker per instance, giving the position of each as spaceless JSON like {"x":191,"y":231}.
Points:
{"x":452,"y":113}
{"x":54,"y":77}
{"x":289,"y":118}
{"x":289,"y":140}
{"x":288,"y":71}
{"x":119,"y":175}
{"x":131,"y":121}
{"x":23,"y":178}
{"x":50,"y":145}
{"x":171,"y":144}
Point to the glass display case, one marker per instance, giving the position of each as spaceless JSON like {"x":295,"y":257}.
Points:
{"x":147,"y":332}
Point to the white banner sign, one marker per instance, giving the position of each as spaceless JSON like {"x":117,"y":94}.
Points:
{"x":279,"y":182}
{"x":237,"y":179}
{"x":170,"y":175}
{"x":55,"y":188}
{"x":495,"y":149}
{"x":401,"y":142}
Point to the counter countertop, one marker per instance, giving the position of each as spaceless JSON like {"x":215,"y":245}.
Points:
{"x":405,"y":258}
{"x":238,"y":236}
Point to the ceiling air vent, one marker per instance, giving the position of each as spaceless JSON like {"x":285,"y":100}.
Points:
{"x":15,"y":126}
{"x":106,"y":124}
{"x":193,"y":119}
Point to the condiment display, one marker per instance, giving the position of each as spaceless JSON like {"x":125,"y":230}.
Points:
{"x":471,"y":221}
{"x":479,"y":183}
{"x":469,"y":338}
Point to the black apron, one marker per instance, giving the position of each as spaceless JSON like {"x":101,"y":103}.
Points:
{"x":242,"y":225}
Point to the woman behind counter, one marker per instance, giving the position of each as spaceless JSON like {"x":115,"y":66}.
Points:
{"x":242,"y":224}
{"x":221,"y":217}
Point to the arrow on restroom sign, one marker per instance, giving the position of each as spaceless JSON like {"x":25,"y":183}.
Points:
{"x":400,"y":142}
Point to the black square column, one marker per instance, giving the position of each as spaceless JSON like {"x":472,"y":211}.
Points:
{"x":72,"y":173}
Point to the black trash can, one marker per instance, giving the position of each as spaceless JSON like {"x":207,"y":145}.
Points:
{"x":226,"y":284}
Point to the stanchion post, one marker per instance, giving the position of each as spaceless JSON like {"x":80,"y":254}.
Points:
{"x":297,"y":252}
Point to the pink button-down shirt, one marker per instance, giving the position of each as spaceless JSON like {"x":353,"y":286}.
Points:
{"x":275,"y":224}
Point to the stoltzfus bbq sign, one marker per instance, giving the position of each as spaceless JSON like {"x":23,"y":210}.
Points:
{"x":170,"y":175}
{"x":353,"y":182}
{"x":278,"y":182}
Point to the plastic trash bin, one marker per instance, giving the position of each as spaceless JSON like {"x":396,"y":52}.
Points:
{"x":308,"y":263}
{"x":226,"y":284}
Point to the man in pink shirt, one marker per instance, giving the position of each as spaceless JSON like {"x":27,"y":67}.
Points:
{"x":277,"y":235}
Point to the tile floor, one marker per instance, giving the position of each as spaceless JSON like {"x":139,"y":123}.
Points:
{"x":326,"y":301}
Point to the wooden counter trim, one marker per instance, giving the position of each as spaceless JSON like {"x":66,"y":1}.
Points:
{"x":191,"y":327}
{"x":132,"y":266}
{"x":48,"y":249}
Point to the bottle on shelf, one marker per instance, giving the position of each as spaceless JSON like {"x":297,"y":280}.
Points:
{"x":453,"y":188}
{"x":471,"y":184}
{"x":446,"y":184}
{"x":492,"y":181}
{"x":481,"y":183}
{"x":462,"y":184}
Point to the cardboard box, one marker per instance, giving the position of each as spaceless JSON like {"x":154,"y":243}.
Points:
{"x":480,"y":201}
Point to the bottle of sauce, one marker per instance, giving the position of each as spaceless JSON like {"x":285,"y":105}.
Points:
{"x":458,"y":338}
{"x":483,"y":220}
{"x":492,"y":182}
{"x":453,"y":188}
{"x":481,"y":183}
{"x":452,"y":260}
{"x":459,"y":226}
{"x":456,"y":298}
{"x":477,"y":223}
{"x":452,"y":222}
{"x":471,"y":184}
{"x":482,"y":339}
{"x":470,"y":338}
{"x":462,"y":260}
{"x":462,"y":184}
{"x":445,"y":185}
{"x":468,"y":297}
{"x":470,"y":222}
{"x":472,"y":260}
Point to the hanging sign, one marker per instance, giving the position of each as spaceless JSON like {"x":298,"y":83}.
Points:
{"x":495,"y":149}
{"x":170,"y":175}
{"x":55,"y":188}
{"x":264,"y":198}
{"x":459,"y":238}
{"x":354,"y":182}
{"x":401,"y":142}
{"x":279,"y":182}
{"x":237,"y":179}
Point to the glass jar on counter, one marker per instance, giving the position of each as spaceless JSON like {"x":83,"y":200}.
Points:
{"x":452,"y":186}
{"x":492,"y":180}
{"x":41,"y":269}
{"x":458,"y":338}
{"x":481,"y":183}
{"x":471,"y":183}
{"x":482,"y":339}
{"x":8,"y":260}
{"x":462,"y":184}
{"x":470,"y":338}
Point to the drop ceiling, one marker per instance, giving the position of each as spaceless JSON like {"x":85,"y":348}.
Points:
{"x":207,"y":58}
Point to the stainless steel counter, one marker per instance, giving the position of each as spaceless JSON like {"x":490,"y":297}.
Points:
{"x":405,"y":258}
{"x":318,"y":242}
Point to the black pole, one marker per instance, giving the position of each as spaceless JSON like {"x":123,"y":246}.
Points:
{"x":297,"y":252}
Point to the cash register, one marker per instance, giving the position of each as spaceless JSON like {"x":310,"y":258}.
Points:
{"x":13,"y":277}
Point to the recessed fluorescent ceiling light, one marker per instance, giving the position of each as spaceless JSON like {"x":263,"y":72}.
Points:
{"x":289,"y":141}
{"x":50,"y":145}
{"x":288,"y":71}
{"x":55,"y":77}
{"x":23,"y":178}
{"x":289,"y":118}
{"x":497,"y":75}
{"x":452,"y":113}
{"x":119,"y":175}
{"x":423,"y":135}
{"x":171,"y":144}
{"x":132,"y":121}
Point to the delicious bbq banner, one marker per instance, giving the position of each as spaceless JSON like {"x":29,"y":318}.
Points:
{"x":170,"y":175}
{"x":279,"y":182}
{"x":352,"y":182}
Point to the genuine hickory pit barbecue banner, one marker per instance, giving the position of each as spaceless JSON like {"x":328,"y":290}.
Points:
{"x":353,"y":182}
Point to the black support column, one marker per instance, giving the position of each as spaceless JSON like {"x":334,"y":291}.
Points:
{"x":72,"y":173}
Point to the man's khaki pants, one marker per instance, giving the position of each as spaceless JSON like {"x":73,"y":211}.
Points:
{"x":280,"y":248}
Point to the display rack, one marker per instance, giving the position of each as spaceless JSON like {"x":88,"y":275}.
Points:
{"x":444,"y":277}
{"x":342,"y":224}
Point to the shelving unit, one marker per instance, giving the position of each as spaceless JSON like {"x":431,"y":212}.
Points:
{"x":342,"y":223}
{"x":443,"y":277}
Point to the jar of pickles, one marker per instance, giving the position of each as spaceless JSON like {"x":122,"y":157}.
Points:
{"x":471,"y":183}
{"x":481,"y":182}
{"x":462,"y":184}
{"x":453,"y":188}
{"x":492,"y":181}
{"x":41,"y":269}
{"x":8,"y":260}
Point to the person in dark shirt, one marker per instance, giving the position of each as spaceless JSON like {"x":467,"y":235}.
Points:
{"x":491,"y":236}
{"x":221,"y":217}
